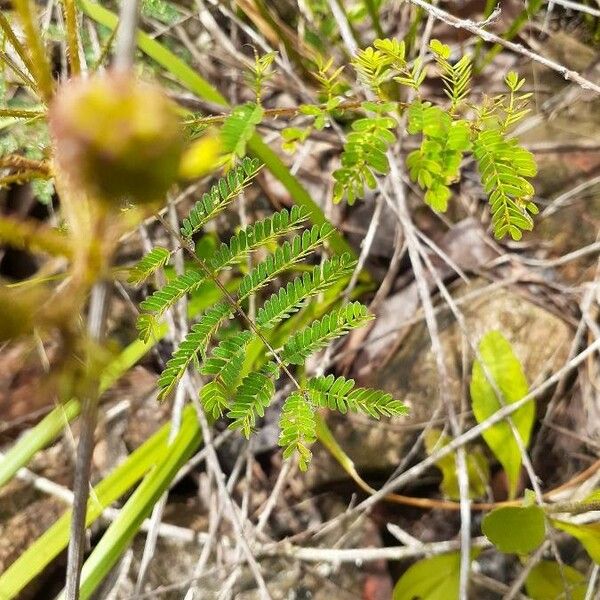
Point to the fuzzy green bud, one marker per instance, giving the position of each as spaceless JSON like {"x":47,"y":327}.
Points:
{"x":116,"y":137}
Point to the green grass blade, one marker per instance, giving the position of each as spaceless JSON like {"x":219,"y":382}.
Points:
{"x":51,"y":543}
{"x":120,"y":533}
{"x":202,"y":88}
{"x":37,"y":438}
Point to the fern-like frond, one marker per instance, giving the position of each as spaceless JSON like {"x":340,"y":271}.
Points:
{"x":195,"y":343}
{"x":220,"y":196}
{"x":149,"y":264}
{"x":224,"y":365}
{"x":457,"y":77}
{"x":215,"y":398}
{"x":503,"y":168}
{"x":372,"y":67}
{"x":321,"y":332}
{"x":164,"y":298}
{"x":292,"y":297}
{"x":436,"y":164}
{"x":284,"y":257}
{"x":239,"y":127}
{"x":243,"y":242}
{"x":364,"y":155}
{"x":255,"y":236}
{"x":298,"y":429}
{"x":252,"y":397}
{"x":341,"y":394}
{"x":515,"y":108}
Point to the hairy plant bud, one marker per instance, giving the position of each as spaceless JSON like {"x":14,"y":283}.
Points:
{"x":116,"y":137}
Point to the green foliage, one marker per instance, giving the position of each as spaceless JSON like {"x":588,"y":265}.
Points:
{"x":503,"y":368}
{"x":588,"y":535}
{"x":239,"y":127}
{"x":435,"y":578}
{"x":323,"y":331}
{"x":221,"y":194}
{"x":550,"y":581}
{"x":515,"y":529}
{"x":154,"y":260}
{"x":503,"y":168}
{"x":242,"y":389}
{"x":341,"y":394}
{"x":478,"y":468}
{"x":457,"y":77}
{"x":195,"y":343}
{"x":364,"y":155}
{"x":291,"y":298}
{"x":160,"y":10}
{"x":436,"y":164}
{"x":259,"y":73}
{"x":254,"y":236}
{"x":252,"y":398}
{"x":224,"y":366}
{"x":298,"y":429}
{"x":246,"y":240}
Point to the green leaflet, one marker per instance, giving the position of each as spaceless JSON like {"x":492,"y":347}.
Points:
{"x":220,"y":196}
{"x":149,"y":264}
{"x":246,"y":240}
{"x":550,"y":581}
{"x":252,"y":398}
{"x":435,"y":578}
{"x":239,"y":127}
{"x":588,"y":535}
{"x":436,"y":164}
{"x":505,"y":369}
{"x":321,"y":332}
{"x":342,"y":395}
{"x":515,"y":529}
{"x":290,"y":298}
{"x":298,"y":429}
{"x":504,"y":168}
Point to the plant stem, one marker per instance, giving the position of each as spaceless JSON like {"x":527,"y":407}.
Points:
{"x":126,"y":35}
{"x":81,"y":485}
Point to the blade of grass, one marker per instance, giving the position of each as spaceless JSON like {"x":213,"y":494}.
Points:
{"x":55,"y":539}
{"x":202,"y":88}
{"x":37,"y":438}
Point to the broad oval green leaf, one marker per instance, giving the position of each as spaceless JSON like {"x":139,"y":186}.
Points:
{"x":515,"y":529}
{"x":588,"y":535}
{"x":505,"y":369}
{"x":548,"y":581}
{"x":436,"y":578}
